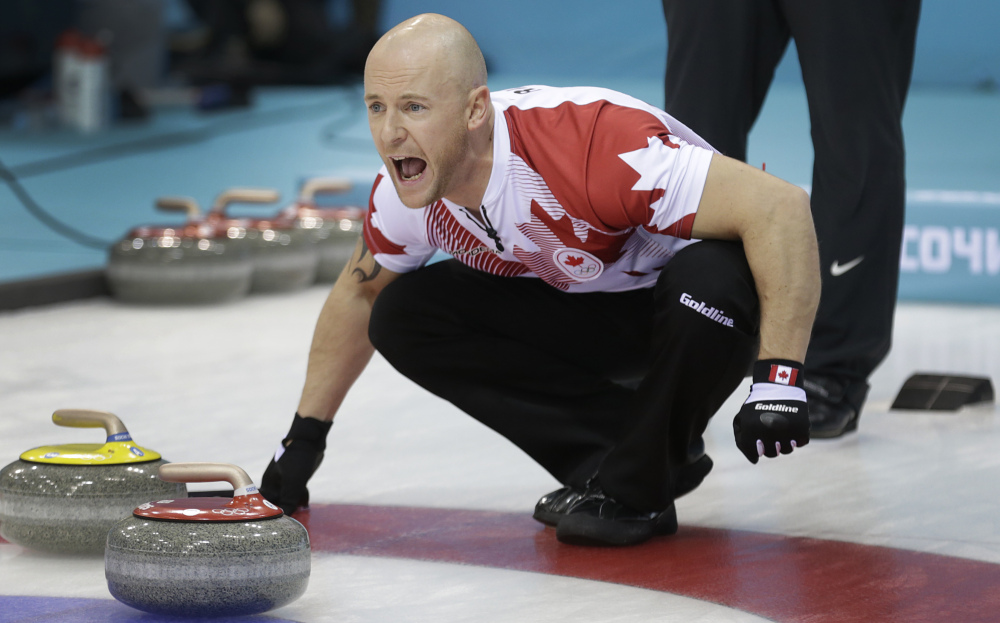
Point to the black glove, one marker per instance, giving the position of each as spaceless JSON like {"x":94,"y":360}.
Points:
{"x":775,"y":417}
{"x":298,"y":456}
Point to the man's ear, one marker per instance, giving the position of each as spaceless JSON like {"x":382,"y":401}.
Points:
{"x":479,"y":107}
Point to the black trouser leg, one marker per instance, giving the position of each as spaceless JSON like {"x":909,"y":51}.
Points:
{"x":541,"y":367}
{"x":856,"y":57}
{"x":697,"y":361}
{"x":721,"y":57}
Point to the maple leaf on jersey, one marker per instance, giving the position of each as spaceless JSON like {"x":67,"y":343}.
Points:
{"x":653,"y":163}
{"x":648,"y":163}
{"x":572,"y":260}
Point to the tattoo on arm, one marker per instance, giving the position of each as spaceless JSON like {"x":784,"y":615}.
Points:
{"x":359,"y":271}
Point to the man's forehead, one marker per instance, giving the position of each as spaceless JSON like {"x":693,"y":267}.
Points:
{"x":421,"y":82}
{"x":396,"y":75}
{"x":390,"y":89}
{"x":411,"y":59}
{"x":405,"y":95}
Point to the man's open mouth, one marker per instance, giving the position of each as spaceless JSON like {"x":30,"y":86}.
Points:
{"x":408,"y":169}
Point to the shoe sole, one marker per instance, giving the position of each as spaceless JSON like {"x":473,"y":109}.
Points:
{"x":593,"y":532}
{"x":548,"y":518}
{"x":587,"y":530}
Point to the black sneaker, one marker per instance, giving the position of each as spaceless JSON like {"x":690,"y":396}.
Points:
{"x":600,"y":520}
{"x":553,"y":506}
{"x":834,"y":405}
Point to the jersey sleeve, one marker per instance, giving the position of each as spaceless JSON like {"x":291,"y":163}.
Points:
{"x":395,"y":234}
{"x":644,"y":171}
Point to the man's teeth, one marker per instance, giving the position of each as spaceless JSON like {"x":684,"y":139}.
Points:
{"x":400,"y":160}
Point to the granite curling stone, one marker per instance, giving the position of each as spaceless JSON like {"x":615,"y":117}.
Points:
{"x":187,"y":264}
{"x":65,"y":498}
{"x":207,"y":556}
{"x":283,"y":257}
{"x":333,"y":229}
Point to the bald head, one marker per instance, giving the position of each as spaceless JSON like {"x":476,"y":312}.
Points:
{"x":437,"y":43}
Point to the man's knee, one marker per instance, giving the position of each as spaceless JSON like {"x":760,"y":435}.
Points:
{"x":713,"y":279}
{"x":416,"y":308}
{"x":388,"y":320}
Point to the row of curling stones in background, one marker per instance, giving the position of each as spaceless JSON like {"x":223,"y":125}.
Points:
{"x":218,"y":257}
{"x":207,"y":556}
{"x":333,"y":230}
{"x":65,"y":498}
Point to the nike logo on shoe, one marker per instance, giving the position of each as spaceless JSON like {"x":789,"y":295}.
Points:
{"x":837,"y":269}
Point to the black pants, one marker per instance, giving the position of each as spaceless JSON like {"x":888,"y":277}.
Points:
{"x":856,"y":58}
{"x":621,"y":381}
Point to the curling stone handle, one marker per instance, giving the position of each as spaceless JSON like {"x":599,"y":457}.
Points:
{"x":205,"y":472}
{"x":244,"y":195}
{"x":321,"y":185}
{"x":180,"y":204}
{"x":87,"y":418}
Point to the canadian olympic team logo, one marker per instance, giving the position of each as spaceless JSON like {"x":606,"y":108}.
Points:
{"x":579,"y":265}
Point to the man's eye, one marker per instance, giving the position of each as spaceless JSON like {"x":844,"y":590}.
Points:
{"x":416,"y":107}
{"x":375,"y":108}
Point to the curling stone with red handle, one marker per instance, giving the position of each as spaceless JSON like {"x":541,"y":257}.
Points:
{"x":283,"y":257}
{"x":207,"y":556}
{"x":185,"y":264}
{"x":334,"y":230}
{"x":65,"y":498}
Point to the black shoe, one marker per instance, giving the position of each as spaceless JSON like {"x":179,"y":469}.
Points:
{"x":834,"y":405}
{"x":600,"y":520}
{"x":553,"y":506}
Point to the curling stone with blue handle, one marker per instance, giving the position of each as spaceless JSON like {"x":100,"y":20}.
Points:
{"x":65,"y":498}
{"x":207,"y":556}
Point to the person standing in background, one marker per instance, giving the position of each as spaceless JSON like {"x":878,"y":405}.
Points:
{"x":857,"y":59}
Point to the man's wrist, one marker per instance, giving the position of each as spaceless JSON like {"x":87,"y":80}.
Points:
{"x":779,"y":371}
{"x":309,"y":429}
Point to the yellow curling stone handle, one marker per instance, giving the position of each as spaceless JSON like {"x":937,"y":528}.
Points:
{"x":118,"y":448}
{"x":86,"y":418}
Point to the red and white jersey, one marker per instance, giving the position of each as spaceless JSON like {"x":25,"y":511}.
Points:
{"x":591,"y":190}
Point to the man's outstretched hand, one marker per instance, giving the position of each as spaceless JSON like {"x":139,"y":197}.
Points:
{"x":294,"y":463}
{"x":775,"y":417}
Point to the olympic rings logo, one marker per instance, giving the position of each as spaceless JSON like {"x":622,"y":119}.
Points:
{"x":230,"y":512}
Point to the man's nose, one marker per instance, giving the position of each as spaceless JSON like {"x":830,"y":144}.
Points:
{"x":392,"y":128}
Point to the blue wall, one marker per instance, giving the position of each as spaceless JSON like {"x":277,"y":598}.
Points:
{"x":957,"y":46}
